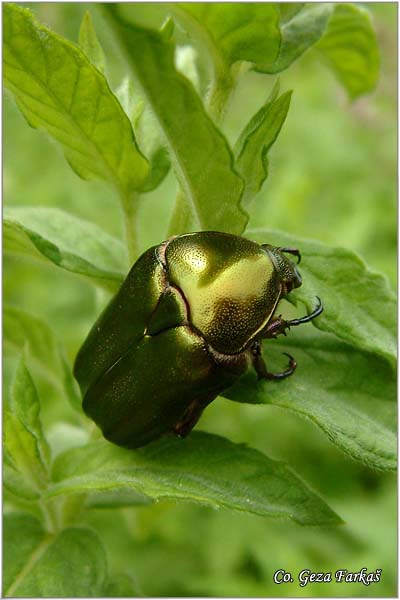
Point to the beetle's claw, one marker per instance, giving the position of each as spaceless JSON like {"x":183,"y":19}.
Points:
{"x":261,"y":367}
{"x":289,"y":371}
{"x":292,"y":361}
{"x":315,"y":313}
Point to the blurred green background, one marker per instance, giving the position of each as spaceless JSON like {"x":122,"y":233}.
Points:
{"x":333,"y":176}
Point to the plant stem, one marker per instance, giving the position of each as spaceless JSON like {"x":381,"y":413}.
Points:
{"x":181,"y":218}
{"x":219,"y":95}
{"x":51,"y":515}
{"x":129,"y":209}
{"x":72,"y":507}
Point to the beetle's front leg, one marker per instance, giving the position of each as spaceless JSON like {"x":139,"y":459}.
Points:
{"x":261,"y":367}
{"x":279,"y":325}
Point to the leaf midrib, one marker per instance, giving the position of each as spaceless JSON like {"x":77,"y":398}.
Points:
{"x":71,"y":485}
{"x":34,"y":557}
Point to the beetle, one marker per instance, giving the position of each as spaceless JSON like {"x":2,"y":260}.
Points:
{"x":186,"y":323}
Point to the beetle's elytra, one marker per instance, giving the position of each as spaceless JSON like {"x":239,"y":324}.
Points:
{"x":186,"y":323}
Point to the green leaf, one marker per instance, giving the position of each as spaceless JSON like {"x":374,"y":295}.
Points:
{"x":24,"y":411}
{"x":288,"y":10}
{"x":202,"y":468}
{"x":90,"y":44}
{"x":24,"y":535}
{"x":58,"y":238}
{"x":57,"y":89}
{"x":199,"y":154}
{"x":348,"y":393}
{"x":255,"y":142}
{"x":14,"y":482}
{"x":300,"y":29}
{"x":149,"y":134}
{"x":350,"y":49}
{"x":122,"y":586}
{"x":345,"y":381}
{"x":25,"y":404}
{"x":235,"y":32}
{"x":38,"y":564}
{"x":159,"y":168}
{"x":127,"y":96}
{"x":116,"y":498}
{"x":45,"y":354}
{"x":25,"y":449}
{"x":359,"y":305}
{"x":267,"y":35}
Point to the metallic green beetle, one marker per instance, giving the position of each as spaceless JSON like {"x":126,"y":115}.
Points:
{"x":186,"y":323}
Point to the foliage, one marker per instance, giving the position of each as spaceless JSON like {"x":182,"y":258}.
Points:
{"x":156,"y":126}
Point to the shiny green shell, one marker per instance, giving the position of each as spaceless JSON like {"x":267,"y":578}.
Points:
{"x":177,"y":332}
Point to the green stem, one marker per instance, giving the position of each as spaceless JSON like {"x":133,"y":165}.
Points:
{"x":50,"y":510}
{"x":129,"y":210}
{"x":222,"y":86}
{"x":33,"y":558}
{"x":181,"y":219}
{"x":219,"y":95}
{"x":72,"y":507}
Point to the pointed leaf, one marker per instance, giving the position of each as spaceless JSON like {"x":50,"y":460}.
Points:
{"x":159,"y":168}
{"x":25,"y":472}
{"x":90,"y":44}
{"x":25,"y":404}
{"x":255,"y":142}
{"x":299,"y":30}
{"x":14,"y":480}
{"x":235,"y":32}
{"x":151,"y":140}
{"x":199,"y":154}
{"x":350,"y":49}
{"x":26,"y":453}
{"x":57,"y":89}
{"x":202,"y":468}
{"x":45,"y":354}
{"x":348,"y":393}
{"x":38,"y":564}
{"x":25,"y":448}
{"x":61,"y":239}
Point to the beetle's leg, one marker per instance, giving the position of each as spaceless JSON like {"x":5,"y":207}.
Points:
{"x":191,"y":415}
{"x":261,"y":367}
{"x":279,"y":325}
{"x":293,"y":251}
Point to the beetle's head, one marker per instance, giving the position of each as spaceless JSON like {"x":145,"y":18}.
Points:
{"x":286,"y":269}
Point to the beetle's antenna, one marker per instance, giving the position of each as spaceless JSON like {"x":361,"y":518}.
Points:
{"x":293,"y":251}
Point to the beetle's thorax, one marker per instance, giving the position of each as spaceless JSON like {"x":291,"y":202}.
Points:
{"x":230,"y":285}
